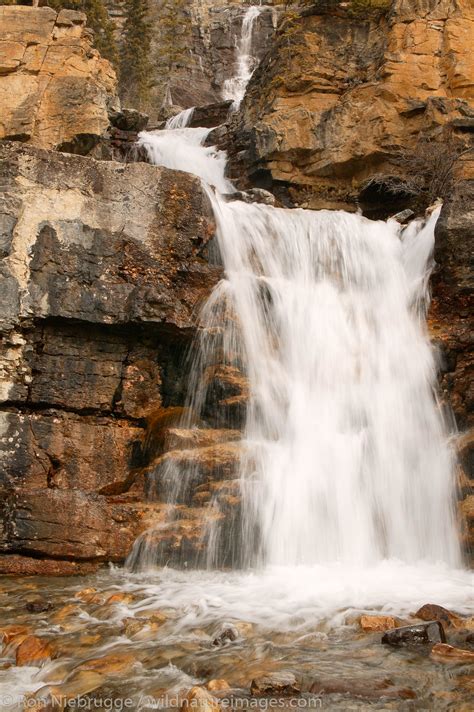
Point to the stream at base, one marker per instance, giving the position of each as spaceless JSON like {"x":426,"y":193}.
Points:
{"x":145,"y":639}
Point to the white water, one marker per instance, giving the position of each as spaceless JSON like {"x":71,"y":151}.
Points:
{"x":348,"y":482}
{"x":349,"y":461}
{"x":181,"y":120}
{"x":182,"y":149}
{"x":234,"y":88}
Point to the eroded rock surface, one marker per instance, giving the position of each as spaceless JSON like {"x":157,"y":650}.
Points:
{"x":55,"y":89}
{"x":346,"y":87}
{"x":103,"y":269}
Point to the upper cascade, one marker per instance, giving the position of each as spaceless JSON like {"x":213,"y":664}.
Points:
{"x":234,"y":88}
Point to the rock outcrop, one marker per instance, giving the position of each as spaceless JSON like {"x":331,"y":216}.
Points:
{"x":348,"y":87}
{"x":103,"y":267}
{"x":205,"y":37}
{"x":56,"y":91}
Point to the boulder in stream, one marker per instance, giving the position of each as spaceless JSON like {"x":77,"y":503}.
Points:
{"x":419,"y":634}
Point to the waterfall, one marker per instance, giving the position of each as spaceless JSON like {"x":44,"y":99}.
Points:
{"x":234,"y":88}
{"x":346,"y":458}
{"x":183,"y":149}
{"x":181,"y":120}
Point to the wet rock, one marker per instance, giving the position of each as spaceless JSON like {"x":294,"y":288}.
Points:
{"x":200,"y":466}
{"x":369,"y":689}
{"x":89,"y":595}
{"x":79,"y":683}
{"x":433,"y":612}
{"x":404,"y":216}
{"x":277,"y":683}
{"x":377,"y":623}
{"x":200,"y":699}
{"x":188,"y":438}
{"x":443,"y":653}
{"x":110,"y":665}
{"x":65,"y":612}
{"x":228,"y":634}
{"x":129,"y":120}
{"x":244,"y":628}
{"x":421,"y":634}
{"x":253,"y":195}
{"x":10,"y":633}
{"x":120,"y":597}
{"x":80,"y":378}
{"x":227,"y":396}
{"x":20,"y":565}
{"x":33,"y":651}
{"x":39,"y":605}
{"x":210,"y":115}
{"x":217,"y":685}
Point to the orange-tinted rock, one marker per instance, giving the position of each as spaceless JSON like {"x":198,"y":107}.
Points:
{"x":55,"y":89}
{"x":377,"y":623}
{"x":333,"y":105}
{"x":120,"y":597}
{"x":33,"y":651}
{"x":217,"y":685}
{"x":433,"y":612}
{"x":110,"y":665}
{"x":443,"y":653}
{"x":201,"y":700}
{"x":10,"y":633}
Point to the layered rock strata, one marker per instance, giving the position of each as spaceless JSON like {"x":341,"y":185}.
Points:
{"x":103,"y":269}
{"x":56,"y":91}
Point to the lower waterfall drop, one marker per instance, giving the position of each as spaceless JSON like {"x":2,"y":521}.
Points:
{"x":345,"y":458}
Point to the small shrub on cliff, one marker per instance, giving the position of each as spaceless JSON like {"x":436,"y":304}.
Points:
{"x":430,"y":168}
{"x":425,"y":173}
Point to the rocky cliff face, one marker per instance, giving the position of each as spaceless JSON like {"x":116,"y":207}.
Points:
{"x":350,"y":86}
{"x":212,"y":30}
{"x":103,"y":267}
{"x":55,"y":90}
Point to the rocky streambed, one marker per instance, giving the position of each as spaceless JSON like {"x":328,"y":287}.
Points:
{"x":161,"y":640}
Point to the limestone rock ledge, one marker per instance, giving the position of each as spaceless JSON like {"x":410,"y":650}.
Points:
{"x":102,"y":269}
{"x":346,"y":88}
{"x":56,"y":91}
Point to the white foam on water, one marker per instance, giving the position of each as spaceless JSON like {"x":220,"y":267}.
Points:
{"x":297,"y":598}
{"x":234,"y":88}
{"x":183,"y":150}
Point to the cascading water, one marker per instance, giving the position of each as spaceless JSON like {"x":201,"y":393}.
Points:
{"x":181,"y":120}
{"x":346,"y":455}
{"x":346,"y":474}
{"x":234,"y":88}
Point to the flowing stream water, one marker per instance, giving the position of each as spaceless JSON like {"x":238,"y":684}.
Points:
{"x":346,"y":479}
{"x":234,"y":88}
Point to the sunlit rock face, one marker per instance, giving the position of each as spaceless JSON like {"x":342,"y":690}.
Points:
{"x":55,"y":89}
{"x":347,"y":87}
{"x":103,"y":269}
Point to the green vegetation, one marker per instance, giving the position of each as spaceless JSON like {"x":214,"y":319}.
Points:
{"x":173,"y":42}
{"x":136,"y":69}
